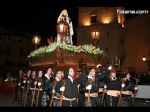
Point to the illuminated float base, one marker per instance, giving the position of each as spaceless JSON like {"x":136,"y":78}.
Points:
{"x":61,"y":59}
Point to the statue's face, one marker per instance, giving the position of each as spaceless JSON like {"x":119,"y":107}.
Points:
{"x":65,"y":13}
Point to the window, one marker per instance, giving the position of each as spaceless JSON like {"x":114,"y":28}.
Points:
{"x":93,"y":18}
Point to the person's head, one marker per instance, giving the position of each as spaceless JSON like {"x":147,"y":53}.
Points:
{"x":28,"y":73}
{"x":40,"y":73}
{"x":128,"y":76}
{"x":113,"y":73}
{"x":62,"y":74}
{"x":24,"y":74}
{"x":78,"y":71}
{"x":20,"y":72}
{"x":49,"y":71}
{"x":99,"y":67}
{"x":71,"y":72}
{"x":59,"y":74}
{"x":33,"y":74}
{"x":92,"y":72}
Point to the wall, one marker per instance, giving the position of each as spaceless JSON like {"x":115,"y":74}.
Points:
{"x":110,"y":34}
{"x":137,"y":41}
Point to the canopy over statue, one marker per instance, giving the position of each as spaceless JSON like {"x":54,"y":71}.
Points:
{"x":67,"y":37}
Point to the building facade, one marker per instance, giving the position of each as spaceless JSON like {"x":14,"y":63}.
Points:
{"x":14,"y":48}
{"x":127,"y":39}
{"x":137,"y":42}
{"x":103,"y":27}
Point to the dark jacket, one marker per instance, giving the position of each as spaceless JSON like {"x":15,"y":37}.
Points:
{"x":71,"y":90}
{"x":47,"y":85}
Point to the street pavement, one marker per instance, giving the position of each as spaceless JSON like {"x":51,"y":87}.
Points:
{"x":9,"y":101}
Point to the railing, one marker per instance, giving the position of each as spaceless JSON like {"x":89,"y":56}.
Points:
{"x":143,"y":91}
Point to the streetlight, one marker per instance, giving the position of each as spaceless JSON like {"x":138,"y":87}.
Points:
{"x":36,"y":40}
{"x":62,"y":27}
{"x":144,"y":59}
{"x":95,"y":36}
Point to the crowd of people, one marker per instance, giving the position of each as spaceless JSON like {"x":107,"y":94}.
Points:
{"x":144,"y":78}
{"x":87,"y":87}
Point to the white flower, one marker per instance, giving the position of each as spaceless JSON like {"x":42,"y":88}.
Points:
{"x":89,"y":49}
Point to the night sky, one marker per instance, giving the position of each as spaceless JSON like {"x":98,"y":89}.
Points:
{"x":37,"y":18}
{"x":41,"y":20}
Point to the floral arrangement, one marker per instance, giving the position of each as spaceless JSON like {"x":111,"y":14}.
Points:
{"x":38,"y":52}
{"x":69,"y":47}
{"x":88,"y":49}
{"x":51,"y":47}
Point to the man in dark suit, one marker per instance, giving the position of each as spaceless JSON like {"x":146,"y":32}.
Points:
{"x":55,"y":99}
{"x":47,"y":84}
{"x":70,"y":88}
{"x":113,"y":85}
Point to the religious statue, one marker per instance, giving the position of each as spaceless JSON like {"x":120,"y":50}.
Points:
{"x":68,"y":36}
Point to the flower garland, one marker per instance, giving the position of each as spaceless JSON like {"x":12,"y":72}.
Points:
{"x":38,"y":52}
{"x":88,"y":49}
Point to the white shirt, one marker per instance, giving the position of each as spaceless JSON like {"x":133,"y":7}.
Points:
{"x":70,"y":78}
{"x":113,"y":78}
{"x":47,"y":76}
{"x":57,"y":79}
{"x":90,"y":77}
